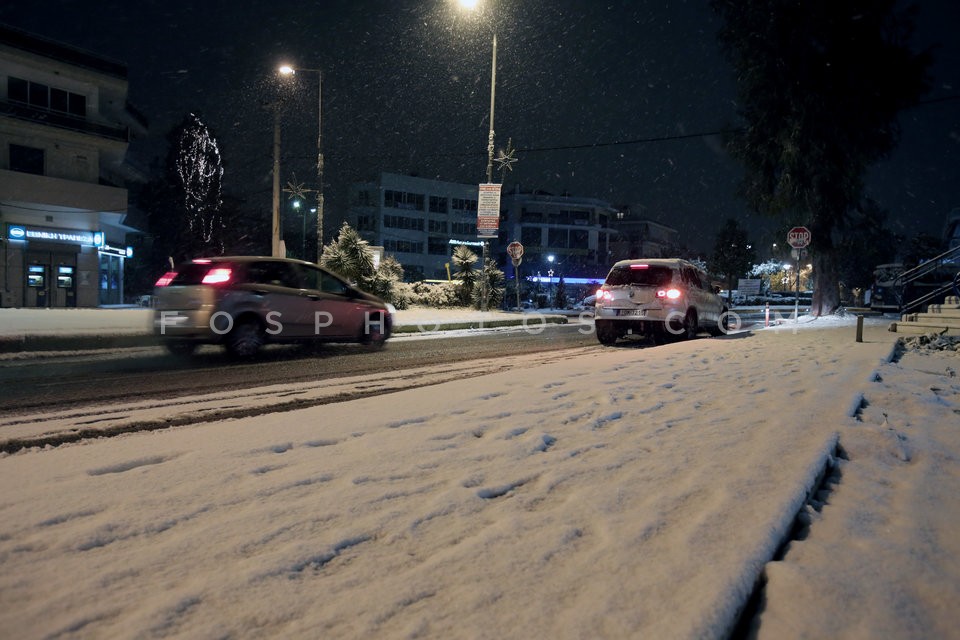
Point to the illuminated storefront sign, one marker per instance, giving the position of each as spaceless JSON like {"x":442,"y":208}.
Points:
{"x":123,"y":252}
{"x":47,"y":234}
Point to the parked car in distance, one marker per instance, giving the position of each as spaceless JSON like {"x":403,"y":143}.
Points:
{"x":244,"y":302}
{"x":661,"y":298}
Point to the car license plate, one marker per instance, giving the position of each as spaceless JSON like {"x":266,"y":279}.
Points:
{"x":637,"y":313}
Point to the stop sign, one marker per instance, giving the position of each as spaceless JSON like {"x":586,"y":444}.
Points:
{"x":515,"y":250}
{"x":798,"y":237}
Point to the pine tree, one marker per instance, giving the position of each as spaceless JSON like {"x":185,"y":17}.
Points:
{"x":820,"y":84}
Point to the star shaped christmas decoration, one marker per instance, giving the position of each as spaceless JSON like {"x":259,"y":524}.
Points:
{"x":506,"y":157}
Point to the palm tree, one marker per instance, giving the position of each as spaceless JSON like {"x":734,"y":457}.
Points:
{"x":350,"y":256}
{"x":463,"y":261}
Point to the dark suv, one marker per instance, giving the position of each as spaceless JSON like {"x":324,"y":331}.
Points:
{"x":244,"y":302}
{"x":661,"y":298}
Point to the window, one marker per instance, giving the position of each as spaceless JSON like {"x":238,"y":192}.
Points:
{"x":43,"y":97}
{"x":26,"y":159}
{"x":437,"y":246}
{"x":403,"y":246}
{"x":403,"y":200}
{"x":464,"y":204}
{"x":530,"y":236}
{"x":438,"y":204}
{"x":18,"y":90}
{"x":438,"y":226}
{"x":403,"y":222}
{"x":557,"y":238}
{"x":463,"y":228}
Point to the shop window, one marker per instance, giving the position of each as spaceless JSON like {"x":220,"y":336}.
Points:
{"x":26,"y":159}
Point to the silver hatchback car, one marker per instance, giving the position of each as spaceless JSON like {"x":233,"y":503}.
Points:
{"x":661,"y":298}
{"x":244,"y":302}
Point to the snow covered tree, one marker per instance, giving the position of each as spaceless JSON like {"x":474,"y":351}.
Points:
{"x":350,"y":256}
{"x":820,"y":85}
{"x":463,"y":261}
{"x":495,"y":286}
{"x":199,"y":172}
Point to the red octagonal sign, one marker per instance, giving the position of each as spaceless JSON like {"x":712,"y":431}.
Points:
{"x":798,"y":237}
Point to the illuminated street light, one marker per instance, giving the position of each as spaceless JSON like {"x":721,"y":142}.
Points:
{"x":287,"y":70}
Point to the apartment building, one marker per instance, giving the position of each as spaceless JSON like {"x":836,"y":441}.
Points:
{"x":65,"y":125}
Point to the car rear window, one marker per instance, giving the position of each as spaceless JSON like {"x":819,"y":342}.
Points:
{"x":644,"y":276}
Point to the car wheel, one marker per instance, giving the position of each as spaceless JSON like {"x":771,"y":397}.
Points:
{"x":723,"y":324}
{"x":245,"y":339}
{"x":180,"y":347}
{"x":374,"y":333}
{"x":606,"y":333}
{"x":687,"y":329}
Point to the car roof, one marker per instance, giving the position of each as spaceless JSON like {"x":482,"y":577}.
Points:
{"x":657,"y":262}
{"x":203,"y":259}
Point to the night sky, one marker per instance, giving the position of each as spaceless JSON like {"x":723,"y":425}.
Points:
{"x":406,"y":89}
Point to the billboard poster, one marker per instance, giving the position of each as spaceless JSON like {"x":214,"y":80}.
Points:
{"x":488,"y":210}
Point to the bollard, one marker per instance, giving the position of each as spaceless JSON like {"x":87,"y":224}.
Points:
{"x":859,"y":328}
{"x":766,"y":317}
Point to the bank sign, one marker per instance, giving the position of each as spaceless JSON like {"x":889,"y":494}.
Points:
{"x":48,"y":234}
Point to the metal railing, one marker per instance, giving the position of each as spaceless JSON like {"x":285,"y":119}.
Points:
{"x":942,"y":262}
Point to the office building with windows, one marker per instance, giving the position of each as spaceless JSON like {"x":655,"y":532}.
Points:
{"x":565,"y":235}
{"x":417,"y":221}
{"x":65,"y":125}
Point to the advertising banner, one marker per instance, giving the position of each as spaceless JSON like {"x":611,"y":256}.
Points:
{"x":488,"y":210}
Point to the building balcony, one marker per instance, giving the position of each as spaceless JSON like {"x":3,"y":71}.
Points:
{"x":20,"y":111}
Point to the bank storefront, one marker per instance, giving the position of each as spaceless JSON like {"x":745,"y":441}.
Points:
{"x":57,"y":267}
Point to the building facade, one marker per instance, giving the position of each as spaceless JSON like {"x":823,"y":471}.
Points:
{"x":566,"y":235}
{"x":637,"y":238}
{"x":415,"y":220}
{"x":65,"y":125}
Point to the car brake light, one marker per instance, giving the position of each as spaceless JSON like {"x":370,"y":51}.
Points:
{"x":669,"y":294}
{"x":202,"y":261}
{"x":166,"y":279}
{"x":639,"y":266}
{"x":603,"y":295}
{"x":217,"y":276}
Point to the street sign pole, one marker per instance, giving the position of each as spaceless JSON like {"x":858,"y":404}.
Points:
{"x":515,"y":251}
{"x":798,"y":238}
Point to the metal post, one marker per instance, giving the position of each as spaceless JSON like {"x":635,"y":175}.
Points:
{"x":319,"y":165}
{"x":516,"y":278}
{"x":796,"y":303}
{"x":484,"y":284}
{"x":275,"y":225}
{"x":860,"y":328}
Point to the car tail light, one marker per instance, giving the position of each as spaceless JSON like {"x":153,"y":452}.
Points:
{"x":220,"y":275}
{"x":604,"y":295}
{"x":166,"y":279}
{"x":669,"y":294}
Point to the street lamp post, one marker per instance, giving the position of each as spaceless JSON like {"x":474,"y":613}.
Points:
{"x":275,"y":222}
{"x":287,"y":70}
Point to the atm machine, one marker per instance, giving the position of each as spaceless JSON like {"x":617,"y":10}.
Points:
{"x":66,"y":292}
{"x":37,"y":286}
